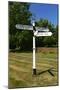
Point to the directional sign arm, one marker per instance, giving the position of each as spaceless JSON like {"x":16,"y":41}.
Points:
{"x":37,"y":34}
{"x":25,"y":27}
{"x":42,"y":29}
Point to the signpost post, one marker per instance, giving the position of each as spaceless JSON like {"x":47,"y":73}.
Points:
{"x":34,"y":60}
{"x":37,"y":31}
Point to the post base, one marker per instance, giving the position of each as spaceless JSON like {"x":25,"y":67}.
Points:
{"x":34,"y":71}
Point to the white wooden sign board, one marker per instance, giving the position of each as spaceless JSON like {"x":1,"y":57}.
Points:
{"x":43,"y":34}
{"x":25,"y":27}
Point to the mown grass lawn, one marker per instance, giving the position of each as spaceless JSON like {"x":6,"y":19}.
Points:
{"x":20,"y":68}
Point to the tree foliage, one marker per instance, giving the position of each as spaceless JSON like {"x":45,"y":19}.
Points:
{"x":47,"y":41}
{"x":19,"y":14}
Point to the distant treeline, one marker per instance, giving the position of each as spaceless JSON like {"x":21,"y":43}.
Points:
{"x":18,"y":39}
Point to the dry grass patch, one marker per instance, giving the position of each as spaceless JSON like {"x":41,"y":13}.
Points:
{"x":20,"y":69}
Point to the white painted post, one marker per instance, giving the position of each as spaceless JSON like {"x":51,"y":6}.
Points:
{"x":34,"y":65}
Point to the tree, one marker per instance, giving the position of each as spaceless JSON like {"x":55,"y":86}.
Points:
{"x":42,"y":23}
{"x":47,"y":41}
{"x":18,"y":13}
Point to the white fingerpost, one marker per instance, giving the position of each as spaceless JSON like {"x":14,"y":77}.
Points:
{"x":37,"y":32}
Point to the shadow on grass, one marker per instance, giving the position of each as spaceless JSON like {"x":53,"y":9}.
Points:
{"x":48,"y":70}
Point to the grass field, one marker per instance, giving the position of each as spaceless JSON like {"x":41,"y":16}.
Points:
{"x":20,"y":68}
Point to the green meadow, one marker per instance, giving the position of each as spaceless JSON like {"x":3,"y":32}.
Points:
{"x":20,"y":72}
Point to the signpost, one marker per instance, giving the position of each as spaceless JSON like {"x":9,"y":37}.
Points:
{"x":37,"y":31}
